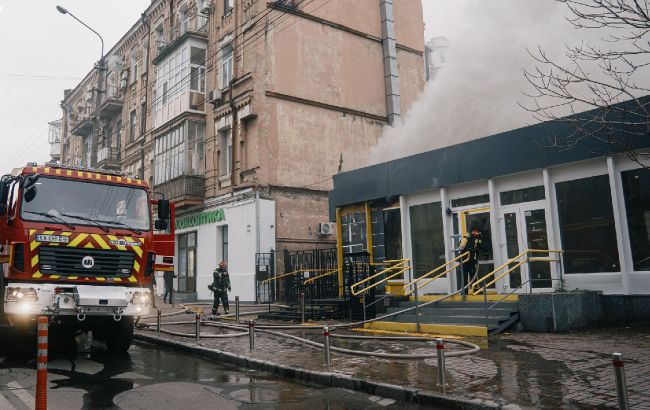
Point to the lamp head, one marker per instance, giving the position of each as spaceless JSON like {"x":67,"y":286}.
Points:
{"x":62,"y":10}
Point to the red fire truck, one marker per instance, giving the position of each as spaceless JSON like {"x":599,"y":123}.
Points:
{"x":81,"y":247}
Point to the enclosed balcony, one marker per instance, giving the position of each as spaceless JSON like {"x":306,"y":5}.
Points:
{"x":195,"y":26}
{"x":185,"y":190}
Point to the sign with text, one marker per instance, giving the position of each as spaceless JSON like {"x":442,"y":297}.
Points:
{"x":203,"y":218}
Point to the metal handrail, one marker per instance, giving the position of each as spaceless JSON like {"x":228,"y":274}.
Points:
{"x":318,"y":277}
{"x":295,"y":272}
{"x":476,"y":285}
{"x":464,"y":258}
{"x":398,"y":266}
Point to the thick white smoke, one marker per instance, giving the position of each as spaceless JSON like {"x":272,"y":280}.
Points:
{"x":477,"y":93}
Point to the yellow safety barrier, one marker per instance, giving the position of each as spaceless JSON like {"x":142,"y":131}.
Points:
{"x":476,"y":287}
{"x":458,"y":260}
{"x":400,"y":266}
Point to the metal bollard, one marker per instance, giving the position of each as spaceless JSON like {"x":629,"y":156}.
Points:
{"x":237,"y":309}
{"x":326,"y":345}
{"x":302,"y":307}
{"x":251,"y":334}
{"x":197,"y":319}
{"x":41,"y":364}
{"x":440,"y":350}
{"x":621,"y":385}
{"x":158,"y":321}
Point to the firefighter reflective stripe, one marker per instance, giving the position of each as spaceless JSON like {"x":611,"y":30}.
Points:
{"x":100,"y":241}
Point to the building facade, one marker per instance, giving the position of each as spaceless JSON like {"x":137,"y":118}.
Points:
{"x":244,"y":109}
{"x":54,"y":139}
{"x":584,"y":212}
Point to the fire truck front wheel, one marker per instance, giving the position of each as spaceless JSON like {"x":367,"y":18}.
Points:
{"x":117,"y":335}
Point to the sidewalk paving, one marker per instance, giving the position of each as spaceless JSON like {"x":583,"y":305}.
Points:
{"x":529,"y":370}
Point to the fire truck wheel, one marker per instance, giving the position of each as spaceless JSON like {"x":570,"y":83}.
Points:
{"x":119,"y":335}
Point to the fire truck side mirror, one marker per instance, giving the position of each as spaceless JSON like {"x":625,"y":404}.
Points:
{"x":30,"y":181}
{"x":30,"y":194}
{"x":4,"y":195}
{"x":160,"y":225}
{"x":163,"y":209}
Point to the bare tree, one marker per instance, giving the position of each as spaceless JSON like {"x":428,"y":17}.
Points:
{"x":611,"y":77}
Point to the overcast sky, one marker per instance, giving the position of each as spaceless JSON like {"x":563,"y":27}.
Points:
{"x":43,"y":52}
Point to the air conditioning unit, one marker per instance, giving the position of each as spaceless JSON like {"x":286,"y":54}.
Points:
{"x":215,"y":96}
{"x":325,"y":228}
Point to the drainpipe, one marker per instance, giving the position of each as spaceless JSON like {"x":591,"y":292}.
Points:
{"x":145,"y":22}
{"x":233,"y":107}
{"x":391,"y":73}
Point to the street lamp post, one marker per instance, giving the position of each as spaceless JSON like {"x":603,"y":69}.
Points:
{"x":99,"y":88}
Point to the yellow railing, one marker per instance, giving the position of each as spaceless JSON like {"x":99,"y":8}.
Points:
{"x":295,"y":272}
{"x":493,"y":277}
{"x":321,"y":276}
{"x":425,"y":279}
{"x":400,"y":266}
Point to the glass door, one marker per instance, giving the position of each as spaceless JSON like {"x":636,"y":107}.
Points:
{"x":463,"y":223}
{"x":524,"y":228}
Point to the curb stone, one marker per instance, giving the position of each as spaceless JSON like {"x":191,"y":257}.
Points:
{"x":341,"y":380}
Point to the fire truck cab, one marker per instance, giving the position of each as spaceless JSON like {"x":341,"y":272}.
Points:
{"x":79,"y":246}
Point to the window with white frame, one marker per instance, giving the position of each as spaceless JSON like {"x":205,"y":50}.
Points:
{"x":133,"y":121}
{"x":226,"y":65}
{"x":225,"y":151}
{"x":197,"y":69}
{"x":179,"y":152}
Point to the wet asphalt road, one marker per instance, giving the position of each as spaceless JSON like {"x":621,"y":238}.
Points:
{"x":150,"y":377}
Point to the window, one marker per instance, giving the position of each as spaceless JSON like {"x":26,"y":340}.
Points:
{"x":225,"y":152}
{"x":587,"y":225}
{"x":197,"y":69}
{"x":118,"y":136}
{"x":143,"y":119}
{"x":184,"y":18}
{"x":522,"y":195}
{"x":470,"y":200}
{"x":160,"y":37}
{"x":187,"y":262}
{"x":353,"y":227}
{"x":392,"y":233}
{"x":427,"y":237}
{"x":226,"y":65}
{"x":227,"y":7}
{"x":132,"y":125}
{"x":134,"y":67}
{"x":179,"y":152}
{"x":164,"y":94}
{"x":224,"y":243}
{"x":636,"y":189}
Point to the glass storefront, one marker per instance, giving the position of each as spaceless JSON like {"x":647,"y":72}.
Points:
{"x":636,"y":190}
{"x":587,"y":225}
{"x":427,"y":237}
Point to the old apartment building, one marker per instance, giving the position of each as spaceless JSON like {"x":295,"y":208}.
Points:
{"x":240,"y":111}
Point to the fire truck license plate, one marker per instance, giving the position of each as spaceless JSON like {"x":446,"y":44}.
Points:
{"x":52,"y":238}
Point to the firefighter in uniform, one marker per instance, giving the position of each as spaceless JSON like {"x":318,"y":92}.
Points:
{"x":220,"y":286}
{"x":472,"y":243}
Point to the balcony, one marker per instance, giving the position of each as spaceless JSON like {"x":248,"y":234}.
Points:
{"x":84,"y":126}
{"x":185,"y":190}
{"x":108,"y":158}
{"x":196,"y":26}
{"x":112,"y":102}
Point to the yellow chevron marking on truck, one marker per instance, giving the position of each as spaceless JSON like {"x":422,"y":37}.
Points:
{"x":66,"y":233}
{"x":89,"y":246}
{"x":32,"y":232}
{"x":76,"y":241}
{"x":34,"y":260}
{"x":55,"y":276}
{"x":37,"y":274}
{"x":68,"y":173}
{"x":137,"y":249}
{"x":136,"y":266}
{"x":33,"y":245}
{"x":73,"y":277}
{"x":58,"y":171}
{"x":132,"y":279}
{"x":47,"y":170}
{"x":100,"y":279}
{"x":48,"y":232}
{"x":100,"y":241}
{"x":117,"y":280}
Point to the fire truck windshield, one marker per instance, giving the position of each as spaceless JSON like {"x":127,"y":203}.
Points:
{"x":74,"y":202}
